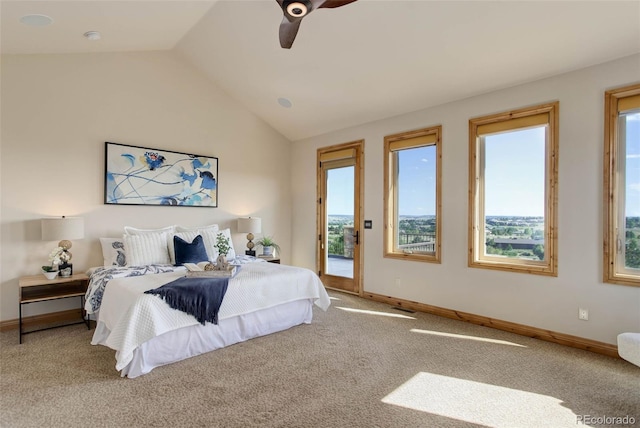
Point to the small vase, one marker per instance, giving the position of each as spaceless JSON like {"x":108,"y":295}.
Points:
{"x":221,"y":263}
{"x":66,"y":269}
{"x":50,"y":274}
{"x":267,"y":251}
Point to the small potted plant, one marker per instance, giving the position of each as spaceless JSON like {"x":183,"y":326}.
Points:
{"x":50,"y":272}
{"x":222,"y":244}
{"x":268,"y":245}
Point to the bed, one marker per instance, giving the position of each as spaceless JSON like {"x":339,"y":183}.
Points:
{"x":261,"y":298}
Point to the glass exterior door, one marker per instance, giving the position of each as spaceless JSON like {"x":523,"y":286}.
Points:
{"x":339,"y":234}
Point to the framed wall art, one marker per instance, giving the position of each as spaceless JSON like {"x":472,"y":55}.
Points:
{"x":142,"y":176}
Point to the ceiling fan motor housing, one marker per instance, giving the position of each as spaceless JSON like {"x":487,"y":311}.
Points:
{"x":297,"y":8}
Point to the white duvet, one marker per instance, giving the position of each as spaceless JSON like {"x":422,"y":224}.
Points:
{"x":129,"y":318}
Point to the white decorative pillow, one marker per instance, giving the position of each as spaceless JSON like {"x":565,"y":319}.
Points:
{"x":213,"y":227}
{"x":113,"y":252}
{"x":146,"y":249}
{"x":135,"y":231}
{"x":209,"y":236}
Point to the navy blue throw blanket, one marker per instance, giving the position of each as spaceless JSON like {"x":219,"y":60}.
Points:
{"x":200,"y":297}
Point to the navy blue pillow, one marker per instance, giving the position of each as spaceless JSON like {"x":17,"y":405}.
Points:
{"x":186,"y":252}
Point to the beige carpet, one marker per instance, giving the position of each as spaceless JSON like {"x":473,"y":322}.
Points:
{"x":361,"y":364}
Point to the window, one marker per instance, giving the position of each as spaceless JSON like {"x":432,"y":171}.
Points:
{"x":622,"y":186}
{"x":412,"y":195}
{"x":513,"y":176}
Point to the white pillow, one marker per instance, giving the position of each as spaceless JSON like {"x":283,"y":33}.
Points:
{"x":209,"y":236}
{"x":213,"y":227}
{"x":113,"y":252}
{"x":135,"y":231}
{"x":146,"y":249}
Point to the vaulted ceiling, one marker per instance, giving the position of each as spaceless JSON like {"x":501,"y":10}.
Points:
{"x":365,"y":61}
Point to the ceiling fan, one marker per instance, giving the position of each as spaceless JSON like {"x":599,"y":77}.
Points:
{"x":295,"y":10}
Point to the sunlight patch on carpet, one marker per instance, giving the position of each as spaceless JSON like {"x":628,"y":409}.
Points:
{"x":384,"y":314}
{"x":479,"y":403}
{"x":462,"y":336}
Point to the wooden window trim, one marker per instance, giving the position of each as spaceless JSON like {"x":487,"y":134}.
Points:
{"x":421,"y":137}
{"x":612,"y":106}
{"x":548,"y":267}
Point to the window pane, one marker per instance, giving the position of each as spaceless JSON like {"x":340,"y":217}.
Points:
{"x":416,"y":200}
{"x":513,"y":173}
{"x":340,"y":225}
{"x":621,"y":259}
{"x":514,"y":194}
{"x":631,"y":149}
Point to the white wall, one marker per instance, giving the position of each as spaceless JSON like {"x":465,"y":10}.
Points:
{"x":533,"y":300}
{"x":57,"y":113}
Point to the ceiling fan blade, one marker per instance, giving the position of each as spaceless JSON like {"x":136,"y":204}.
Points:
{"x":295,"y":10}
{"x":288,"y":32}
{"x":335,"y":3}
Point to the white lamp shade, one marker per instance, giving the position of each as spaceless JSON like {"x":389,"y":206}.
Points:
{"x":59,"y":228}
{"x":249,"y":225}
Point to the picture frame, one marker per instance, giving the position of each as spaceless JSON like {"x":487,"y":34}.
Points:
{"x":136,"y":175}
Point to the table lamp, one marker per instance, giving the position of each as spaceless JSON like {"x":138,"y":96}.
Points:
{"x":250,"y":225}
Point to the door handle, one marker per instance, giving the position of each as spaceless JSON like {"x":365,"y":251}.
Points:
{"x":357,"y":236}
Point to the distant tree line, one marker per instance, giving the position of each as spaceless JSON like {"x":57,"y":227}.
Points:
{"x":521,"y":227}
{"x":632,"y":246}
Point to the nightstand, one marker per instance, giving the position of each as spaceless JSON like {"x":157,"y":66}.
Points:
{"x":37,"y":288}
{"x":271,"y":259}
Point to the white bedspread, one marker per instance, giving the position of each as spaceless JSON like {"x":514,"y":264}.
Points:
{"x":133,"y":317}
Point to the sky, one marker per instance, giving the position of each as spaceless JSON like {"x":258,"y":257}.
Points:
{"x":514,"y":176}
{"x":417,"y":185}
{"x":632,"y":206}
{"x":340,"y":191}
{"x":417,"y":181}
{"x":514,"y":173}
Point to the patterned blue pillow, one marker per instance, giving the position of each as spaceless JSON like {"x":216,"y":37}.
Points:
{"x":189,"y":252}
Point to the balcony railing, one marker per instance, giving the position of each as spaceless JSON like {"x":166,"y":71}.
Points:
{"x":415,"y":238}
{"x":418,"y":242}
{"x":422,"y":247}
{"x":336,"y":248}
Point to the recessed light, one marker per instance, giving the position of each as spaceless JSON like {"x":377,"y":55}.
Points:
{"x":93,"y":35}
{"x":284,"y":102}
{"x":36,"y":20}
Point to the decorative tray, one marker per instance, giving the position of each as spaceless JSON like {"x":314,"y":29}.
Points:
{"x":227,"y":273}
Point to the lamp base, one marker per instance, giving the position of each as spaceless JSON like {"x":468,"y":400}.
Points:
{"x":250,"y":245}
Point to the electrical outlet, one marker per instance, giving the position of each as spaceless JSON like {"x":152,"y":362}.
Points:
{"x":397,"y":282}
{"x":583,"y":314}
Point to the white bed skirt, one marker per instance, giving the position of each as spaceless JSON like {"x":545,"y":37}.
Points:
{"x":197,"y":339}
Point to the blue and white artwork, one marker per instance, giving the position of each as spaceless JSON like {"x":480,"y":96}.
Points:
{"x":142,"y":176}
